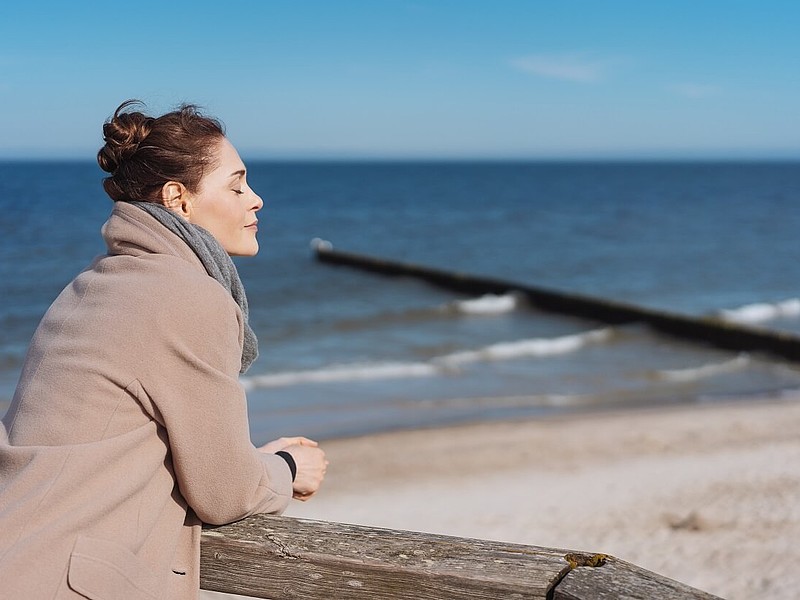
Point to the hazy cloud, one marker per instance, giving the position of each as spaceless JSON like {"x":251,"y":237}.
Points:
{"x":568,"y":67}
{"x":694,"y":90}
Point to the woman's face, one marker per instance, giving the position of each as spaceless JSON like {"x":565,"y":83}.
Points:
{"x":225,"y":205}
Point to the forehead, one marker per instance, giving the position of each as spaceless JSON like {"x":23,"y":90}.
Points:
{"x":228,"y":160}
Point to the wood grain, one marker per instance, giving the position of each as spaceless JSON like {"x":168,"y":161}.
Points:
{"x":283,"y":558}
{"x":280,"y":558}
{"x":619,"y":580}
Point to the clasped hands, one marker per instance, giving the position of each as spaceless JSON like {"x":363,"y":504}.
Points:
{"x":309,"y":459}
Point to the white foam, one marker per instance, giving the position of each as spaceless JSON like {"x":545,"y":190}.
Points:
{"x":338,"y":373}
{"x":704,"y":371}
{"x":762,"y":311}
{"x":526,"y":401}
{"x":530,"y":347}
{"x":436,"y":366}
{"x":489,"y":304}
{"x":320,"y":244}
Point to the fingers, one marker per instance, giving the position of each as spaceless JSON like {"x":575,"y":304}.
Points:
{"x":310,"y":462}
{"x":285,"y":442}
{"x":311,"y":468}
{"x":304,"y":441}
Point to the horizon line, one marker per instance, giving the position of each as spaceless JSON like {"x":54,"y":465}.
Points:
{"x":632,"y":158}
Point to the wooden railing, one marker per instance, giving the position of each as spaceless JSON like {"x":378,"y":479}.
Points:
{"x":281,"y":558}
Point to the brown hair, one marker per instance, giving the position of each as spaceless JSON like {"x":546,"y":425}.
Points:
{"x":142,"y":153}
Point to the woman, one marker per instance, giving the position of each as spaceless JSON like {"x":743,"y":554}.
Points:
{"x":128,"y":428}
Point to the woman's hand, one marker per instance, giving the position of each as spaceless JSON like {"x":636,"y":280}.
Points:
{"x":284,"y":442}
{"x":311,"y":466}
{"x":309,"y":459}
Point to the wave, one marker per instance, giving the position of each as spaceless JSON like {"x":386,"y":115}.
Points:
{"x":439,"y":365}
{"x":320,"y":244}
{"x":488,"y":304}
{"x":704,"y":371}
{"x":763,"y":311}
{"x":339,"y":373}
{"x":495,"y":402}
{"x":536,"y":347}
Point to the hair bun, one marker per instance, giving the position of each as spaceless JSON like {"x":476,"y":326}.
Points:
{"x":122,"y":135}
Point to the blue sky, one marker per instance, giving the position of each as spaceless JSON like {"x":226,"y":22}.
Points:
{"x":414,"y":79}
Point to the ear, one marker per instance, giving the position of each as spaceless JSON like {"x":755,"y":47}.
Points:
{"x":176,"y":197}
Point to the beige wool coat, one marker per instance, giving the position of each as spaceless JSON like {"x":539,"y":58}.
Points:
{"x":128,"y":428}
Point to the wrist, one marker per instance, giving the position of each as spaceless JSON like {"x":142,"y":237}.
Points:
{"x":289,"y":461}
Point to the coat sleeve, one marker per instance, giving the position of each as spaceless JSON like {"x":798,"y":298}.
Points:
{"x":192,"y":380}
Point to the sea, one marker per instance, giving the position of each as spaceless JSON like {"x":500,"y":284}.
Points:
{"x":345,"y":352}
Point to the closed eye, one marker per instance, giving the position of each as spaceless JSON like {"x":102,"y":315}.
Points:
{"x":238,"y":191}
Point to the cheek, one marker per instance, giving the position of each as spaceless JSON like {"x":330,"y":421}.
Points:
{"x":225,"y":217}
{"x":218,"y":222}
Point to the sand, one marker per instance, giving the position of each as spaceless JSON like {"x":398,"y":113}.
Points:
{"x":706,"y":494}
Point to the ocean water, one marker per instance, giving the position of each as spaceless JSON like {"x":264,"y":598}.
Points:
{"x":345,"y":352}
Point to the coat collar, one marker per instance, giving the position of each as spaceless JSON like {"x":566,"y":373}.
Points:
{"x":133,"y":232}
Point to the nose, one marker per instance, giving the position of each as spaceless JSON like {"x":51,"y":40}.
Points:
{"x":258,"y":203}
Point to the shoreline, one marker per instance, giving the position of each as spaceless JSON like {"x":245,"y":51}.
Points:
{"x":554,"y":412}
{"x":708,"y":494}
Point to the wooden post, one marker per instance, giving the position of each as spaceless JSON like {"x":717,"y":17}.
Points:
{"x":281,"y":558}
{"x":708,"y":330}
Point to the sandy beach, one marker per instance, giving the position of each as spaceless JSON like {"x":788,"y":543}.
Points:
{"x":707,"y":494}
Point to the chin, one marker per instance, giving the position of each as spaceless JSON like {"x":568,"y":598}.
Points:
{"x":249,"y":250}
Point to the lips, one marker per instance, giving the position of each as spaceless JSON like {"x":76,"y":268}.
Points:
{"x":253,"y":225}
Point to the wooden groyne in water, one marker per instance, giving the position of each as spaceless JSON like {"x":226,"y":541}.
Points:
{"x":705,"y":329}
{"x":282,"y":558}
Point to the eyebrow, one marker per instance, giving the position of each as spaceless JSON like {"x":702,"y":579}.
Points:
{"x":238,"y":173}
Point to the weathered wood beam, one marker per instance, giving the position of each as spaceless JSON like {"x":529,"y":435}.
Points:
{"x":620,"y":580}
{"x":708,"y":330}
{"x":282,"y":558}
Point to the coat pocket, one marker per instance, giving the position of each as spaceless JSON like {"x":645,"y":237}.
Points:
{"x":104,"y":570}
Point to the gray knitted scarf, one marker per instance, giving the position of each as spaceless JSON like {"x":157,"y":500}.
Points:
{"x":216,"y":262}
